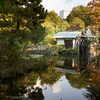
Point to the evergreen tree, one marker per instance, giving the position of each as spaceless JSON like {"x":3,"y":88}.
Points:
{"x":18,"y":21}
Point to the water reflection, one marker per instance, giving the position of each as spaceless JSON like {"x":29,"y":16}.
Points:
{"x":63,"y":79}
{"x":93,"y":92}
{"x":33,"y":93}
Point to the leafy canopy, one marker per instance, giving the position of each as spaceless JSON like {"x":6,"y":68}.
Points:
{"x":81,"y":12}
{"x":19,"y":22}
{"x":53,"y":24}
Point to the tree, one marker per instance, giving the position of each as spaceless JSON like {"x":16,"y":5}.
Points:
{"x":77,"y":24}
{"x":53,"y":24}
{"x":34,"y":16}
{"x":20,"y":25}
{"x":82,"y":13}
{"x":39,"y":34}
{"x":18,"y":21}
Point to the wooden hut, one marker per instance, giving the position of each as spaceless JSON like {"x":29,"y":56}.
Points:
{"x":67,"y":38}
{"x":70,"y":38}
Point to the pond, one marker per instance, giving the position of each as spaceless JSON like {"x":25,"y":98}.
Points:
{"x":65,"y":78}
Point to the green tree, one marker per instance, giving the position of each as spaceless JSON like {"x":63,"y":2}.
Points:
{"x":81,"y":12}
{"x":53,"y":24}
{"x":39,"y":34}
{"x":19,"y":20}
{"x":77,"y":24}
{"x":34,"y":16}
{"x":20,"y":25}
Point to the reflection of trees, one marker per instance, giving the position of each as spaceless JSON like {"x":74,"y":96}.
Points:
{"x":10,"y":90}
{"x":34,"y":93}
{"x":13,"y":90}
{"x":78,"y":80}
{"x":87,"y":77}
{"x":50,"y":77}
{"x":93,"y":92}
{"x":95,"y":63}
{"x":30,"y":79}
{"x":47,"y":76}
{"x":21,"y":66}
{"x":87,"y":71}
{"x":16,"y":87}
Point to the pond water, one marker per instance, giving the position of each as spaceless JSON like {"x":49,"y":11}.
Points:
{"x":63,"y":79}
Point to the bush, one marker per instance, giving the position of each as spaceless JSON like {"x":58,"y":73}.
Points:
{"x":68,"y":51}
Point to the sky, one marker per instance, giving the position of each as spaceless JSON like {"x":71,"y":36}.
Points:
{"x":67,"y":5}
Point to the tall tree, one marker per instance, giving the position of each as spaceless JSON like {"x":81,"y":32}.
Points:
{"x":25,"y":15}
{"x":82,"y":13}
{"x":18,"y":20}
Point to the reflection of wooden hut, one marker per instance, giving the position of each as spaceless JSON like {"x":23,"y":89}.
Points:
{"x":67,"y":38}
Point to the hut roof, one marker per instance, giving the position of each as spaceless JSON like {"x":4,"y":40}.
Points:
{"x":74,"y":34}
{"x":67,"y":34}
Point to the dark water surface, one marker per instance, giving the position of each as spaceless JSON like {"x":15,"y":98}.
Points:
{"x":63,"y":79}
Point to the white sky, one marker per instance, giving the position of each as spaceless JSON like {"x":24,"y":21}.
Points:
{"x":67,"y":5}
